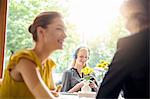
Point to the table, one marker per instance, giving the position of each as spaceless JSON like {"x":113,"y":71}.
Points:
{"x":65,"y":95}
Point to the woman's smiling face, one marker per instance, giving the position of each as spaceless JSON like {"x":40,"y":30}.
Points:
{"x":82,"y":56}
{"x":55,"y":34}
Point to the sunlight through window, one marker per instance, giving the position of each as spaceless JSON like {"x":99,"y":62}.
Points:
{"x":93,"y":17}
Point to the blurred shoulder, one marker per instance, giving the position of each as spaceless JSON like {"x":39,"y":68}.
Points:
{"x":67,"y":71}
{"x":143,"y":35}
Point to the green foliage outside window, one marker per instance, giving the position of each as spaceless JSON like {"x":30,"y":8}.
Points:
{"x":22,"y":12}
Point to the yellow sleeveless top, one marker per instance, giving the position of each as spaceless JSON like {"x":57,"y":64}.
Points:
{"x":11,"y":89}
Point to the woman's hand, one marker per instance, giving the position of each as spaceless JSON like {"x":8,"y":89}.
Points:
{"x":56,"y":92}
{"x":93,"y":85}
{"x":80,"y":84}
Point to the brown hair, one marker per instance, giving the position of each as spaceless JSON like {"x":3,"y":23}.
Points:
{"x":43,"y":19}
{"x":130,"y":7}
{"x":136,"y":13}
{"x":139,"y":22}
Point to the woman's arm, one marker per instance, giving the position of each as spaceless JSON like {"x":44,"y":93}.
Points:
{"x":33,"y":80}
{"x":67,"y":82}
{"x":76,"y":87}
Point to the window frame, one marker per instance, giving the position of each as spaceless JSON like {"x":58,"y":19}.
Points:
{"x":3,"y":17}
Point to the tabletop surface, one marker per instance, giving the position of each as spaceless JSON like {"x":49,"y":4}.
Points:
{"x":79,"y":95}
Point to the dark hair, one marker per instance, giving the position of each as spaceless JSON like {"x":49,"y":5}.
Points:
{"x":77,"y":50}
{"x":43,"y":19}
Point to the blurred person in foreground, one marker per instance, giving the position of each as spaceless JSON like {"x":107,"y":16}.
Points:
{"x":129,"y":69}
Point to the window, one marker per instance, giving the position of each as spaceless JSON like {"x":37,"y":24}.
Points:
{"x":90,"y":23}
